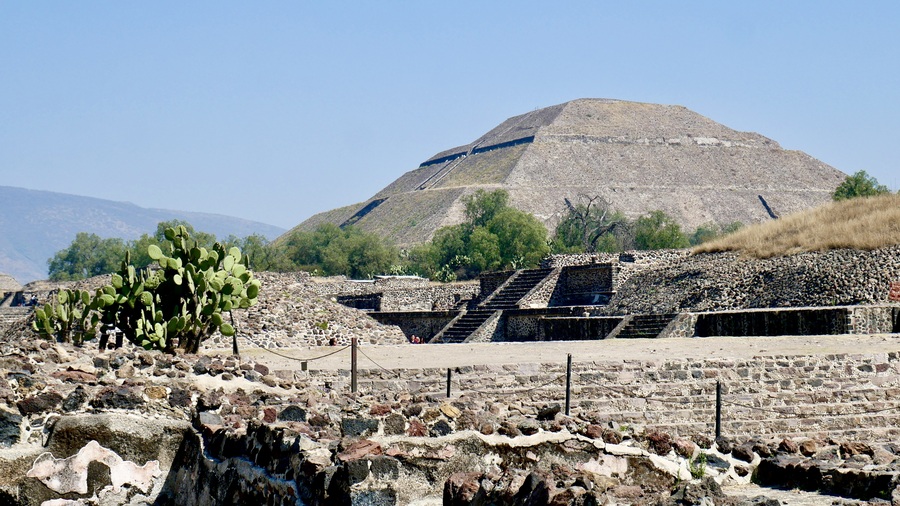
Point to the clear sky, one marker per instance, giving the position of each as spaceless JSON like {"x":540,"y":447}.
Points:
{"x":276,"y":110}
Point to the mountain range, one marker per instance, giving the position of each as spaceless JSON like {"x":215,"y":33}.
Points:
{"x":35,"y":224}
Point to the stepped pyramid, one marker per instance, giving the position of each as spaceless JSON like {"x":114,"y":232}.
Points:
{"x":640,"y":157}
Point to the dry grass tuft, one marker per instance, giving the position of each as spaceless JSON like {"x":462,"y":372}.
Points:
{"x":860,"y":223}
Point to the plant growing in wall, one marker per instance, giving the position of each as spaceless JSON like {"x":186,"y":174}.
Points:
{"x":178,"y":305}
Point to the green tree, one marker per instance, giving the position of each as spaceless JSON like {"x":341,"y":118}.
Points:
{"x":658,"y":230}
{"x":87,"y":256}
{"x":590,"y":226}
{"x":261,"y":254}
{"x":331,"y":250}
{"x":860,"y":184}
{"x":482,"y":206}
{"x":494,"y":236}
{"x":710,"y":231}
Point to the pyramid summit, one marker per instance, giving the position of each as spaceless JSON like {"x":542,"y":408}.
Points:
{"x":640,"y":157}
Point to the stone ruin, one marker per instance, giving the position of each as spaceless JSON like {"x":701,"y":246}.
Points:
{"x":78,"y":426}
{"x":648,"y":294}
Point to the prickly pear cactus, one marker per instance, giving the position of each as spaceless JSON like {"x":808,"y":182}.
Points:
{"x":181,"y":303}
{"x":177,"y":305}
{"x":69,"y":316}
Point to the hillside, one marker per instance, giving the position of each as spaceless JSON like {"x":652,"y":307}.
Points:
{"x":640,"y":157}
{"x":841,"y":253}
{"x":861,"y":223}
{"x":36,"y":224}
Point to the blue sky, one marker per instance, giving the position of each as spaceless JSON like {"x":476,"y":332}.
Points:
{"x":274,"y":111}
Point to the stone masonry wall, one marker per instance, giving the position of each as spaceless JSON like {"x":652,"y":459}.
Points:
{"x":423,"y":324}
{"x":430,"y":298}
{"x":585,"y":284}
{"x":781,"y":396}
{"x":726,"y":281}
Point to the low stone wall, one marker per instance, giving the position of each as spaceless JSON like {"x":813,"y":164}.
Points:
{"x":366,"y":302}
{"x":591,"y":284}
{"x":430,"y":298}
{"x":522,"y":325}
{"x":332,"y":285}
{"x":573,"y":329}
{"x":781,"y":396}
{"x":872,"y":319}
{"x":424,"y":324}
{"x":779,"y":322}
{"x":796,"y":322}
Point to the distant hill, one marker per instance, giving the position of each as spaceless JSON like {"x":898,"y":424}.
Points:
{"x":639,"y":157}
{"x":36,"y":224}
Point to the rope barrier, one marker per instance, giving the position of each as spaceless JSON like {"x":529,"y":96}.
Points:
{"x":583,"y":378}
{"x":296,"y":358}
{"x":516,"y":392}
{"x":376,"y":363}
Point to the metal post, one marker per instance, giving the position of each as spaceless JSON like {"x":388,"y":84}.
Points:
{"x":353,"y":364}
{"x":718,"y":409}
{"x":449,"y":375}
{"x":568,"y":382}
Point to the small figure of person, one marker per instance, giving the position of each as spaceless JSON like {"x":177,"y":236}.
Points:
{"x":33,"y":301}
{"x":414,"y":339}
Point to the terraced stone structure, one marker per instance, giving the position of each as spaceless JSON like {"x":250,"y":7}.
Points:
{"x":669,"y":293}
{"x":640,"y":157}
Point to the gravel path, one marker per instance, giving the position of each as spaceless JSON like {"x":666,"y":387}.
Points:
{"x":411,"y":356}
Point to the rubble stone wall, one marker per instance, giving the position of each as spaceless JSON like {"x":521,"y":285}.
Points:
{"x":784,"y":396}
{"x":421,"y":323}
{"x":428,"y":298}
{"x":568,"y":329}
{"x":585,"y":284}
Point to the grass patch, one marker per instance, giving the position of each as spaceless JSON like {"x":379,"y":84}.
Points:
{"x":861,"y":223}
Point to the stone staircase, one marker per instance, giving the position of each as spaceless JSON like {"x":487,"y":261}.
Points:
{"x":461,"y":329}
{"x":506,"y":297}
{"x":12,"y":315}
{"x":645,"y":326}
{"x":511,"y":293}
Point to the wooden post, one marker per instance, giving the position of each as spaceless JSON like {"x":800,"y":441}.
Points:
{"x":718,"y":409}
{"x":449,"y":375}
{"x":353,"y":364}
{"x":568,"y":382}
{"x":234,"y":346}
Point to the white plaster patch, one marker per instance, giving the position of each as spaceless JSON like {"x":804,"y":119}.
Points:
{"x":606,"y":465}
{"x":492,"y":459}
{"x":70,"y":474}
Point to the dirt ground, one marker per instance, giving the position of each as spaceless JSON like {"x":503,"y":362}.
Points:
{"x":417,"y":356}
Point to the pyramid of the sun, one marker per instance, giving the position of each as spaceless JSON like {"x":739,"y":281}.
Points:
{"x":639,"y":157}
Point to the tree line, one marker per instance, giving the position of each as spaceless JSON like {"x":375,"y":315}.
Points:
{"x":494,"y":236}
